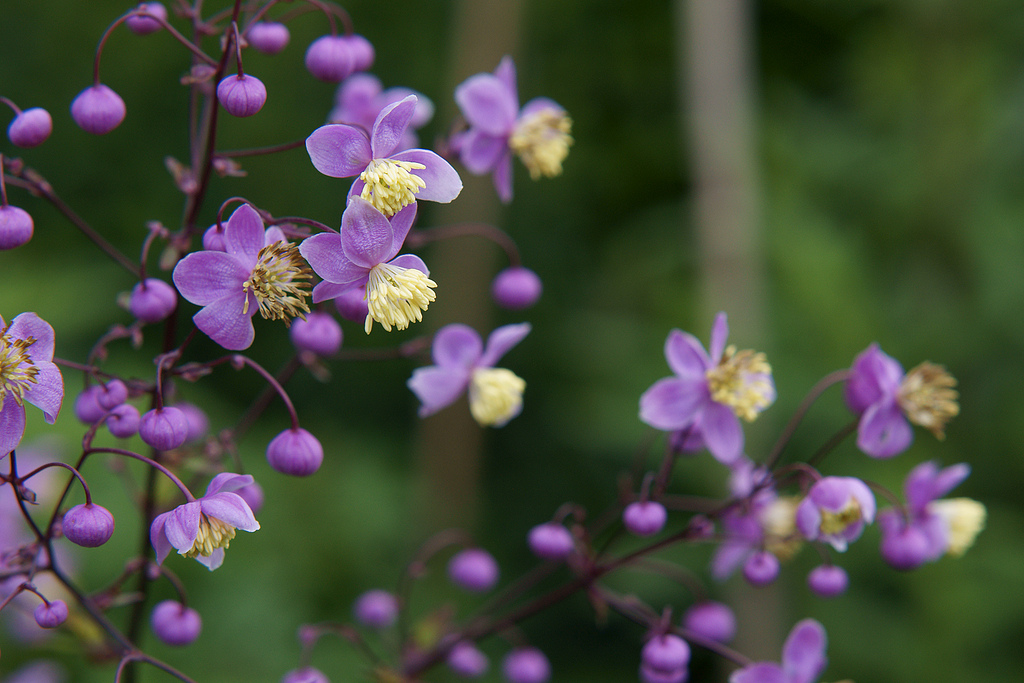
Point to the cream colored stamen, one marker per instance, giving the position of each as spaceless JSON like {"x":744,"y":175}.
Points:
{"x":836,"y":522}
{"x":390,"y":185}
{"x":495,"y":396}
{"x":964,"y":517}
{"x":778,"y":520}
{"x":541,"y":140}
{"x":17,"y":371}
{"x":213,"y":534}
{"x":396,"y":296}
{"x":928,"y":399}
{"x":742,"y":381}
{"x":279,"y":283}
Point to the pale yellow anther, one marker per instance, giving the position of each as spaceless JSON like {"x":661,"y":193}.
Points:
{"x":396,"y":296}
{"x":778,"y":520}
{"x":964,"y":517}
{"x":541,"y":140}
{"x":928,"y":399}
{"x":390,"y":185}
{"x":17,"y":371}
{"x":279,"y":283}
{"x":837,"y":522}
{"x":495,"y":396}
{"x":213,"y":534}
{"x":742,"y":380}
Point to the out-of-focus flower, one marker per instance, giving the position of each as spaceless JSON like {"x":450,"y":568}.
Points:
{"x":803,"y":658}
{"x":361,"y":98}
{"x":712,"y":620}
{"x":473,"y":569}
{"x":175,"y":624}
{"x":836,"y":511}
{"x":268,"y":37}
{"x":467,"y":660}
{"x":389,"y":179}
{"x":461,"y":362}
{"x":888,"y":400}
{"x":202,"y":528}
{"x":27,"y":373}
{"x":526,"y":665}
{"x":376,"y":608}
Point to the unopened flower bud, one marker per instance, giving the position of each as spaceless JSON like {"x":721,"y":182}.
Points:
{"x":213,"y":238}
{"x":550,"y":541}
{"x":351,"y":304}
{"x":87,"y":408}
{"x":329,"y":58}
{"x":123,"y":421}
{"x":905,"y":547}
{"x":89,"y":526}
{"x":665,"y":653}
{"x":198,"y":423}
{"x":152,"y":300}
{"x":828,"y":581}
{"x":295,"y":452}
{"x":319,"y":333}
{"x":16,"y":227}
{"x":526,"y":665}
{"x":252,"y":494}
{"x":51,"y":614}
{"x":376,"y":609}
{"x":112,"y":394}
{"x":516,"y":288}
{"x":30,"y":128}
{"x":467,"y":660}
{"x":362,"y":52}
{"x":712,"y":620}
{"x":164,"y":428}
{"x":305,"y":675}
{"x":175,"y":624}
{"x":98,"y":110}
{"x":140,"y":25}
{"x":268,"y":37}
{"x":761,"y":568}
{"x":242,"y":95}
{"x":644,"y":518}
{"x":474,"y":570}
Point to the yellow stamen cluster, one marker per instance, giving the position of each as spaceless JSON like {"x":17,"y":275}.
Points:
{"x":396,"y":296}
{"x":965,"y":518}
{"x":742,"y":381}
{"x":17,"y":371}
{"x":541,"y":140}
{"x":390,"y":185}
{"x":778,"y":520}
{"x":213,"y":534}
{"x":495,"y":396}
{"x":279,"y":283}
{"x":836,"y":522}
{"x":928,"y":399}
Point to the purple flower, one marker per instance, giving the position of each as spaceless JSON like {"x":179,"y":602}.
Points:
{"x":803,"y":658}
{"x":388,"y":179}
{"x":709,"y":392}
{"x":538,"y":133}
{"x":836,"y":510}
{"x":462,"y":362}
{"x":398,"y":290}
{"x":202,"y":528}
{"x":259,"y":271}
{"x":376,"y":608}
{"x":361,"y":98}
{"x":27,"y":373}
{"x":888,"y":400}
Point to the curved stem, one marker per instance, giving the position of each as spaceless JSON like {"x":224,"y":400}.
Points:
{"x":816,"y":391}
{"x":272,"y":381}
{"x":257,"y":151}
{"x":423,"y":236}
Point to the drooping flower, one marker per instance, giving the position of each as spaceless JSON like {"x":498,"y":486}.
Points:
{"x":709,"y":392}
{"x":538,"y":133}
{"x":27,"y":373}
{"x":361,"y":98}
{"x":461,"y":362}
{"x":803,"y":658}
{"x":259,"y":271}
{"x":398,"y":290}
{"x":888,"y":400}
{"x":388,"y":179}
{"x":836,"y":511}
{"x":201,"y":529}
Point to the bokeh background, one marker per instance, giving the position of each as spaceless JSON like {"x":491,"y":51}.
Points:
{"x":831,"y":174}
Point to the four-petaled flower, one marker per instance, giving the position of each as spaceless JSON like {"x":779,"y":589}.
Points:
{"x":257,"y":271}
{"x":388,"y":179}
{"x":888,"y":400}
{"x":803,"y":658}
{"x":202,"y":528}
{"x":709,"y":392}
{"x":835,"y":510}
{"x":398,"y":290}
{"x":538,"y":133}
{"x":462,"y":362}
{"x":27,"y":373}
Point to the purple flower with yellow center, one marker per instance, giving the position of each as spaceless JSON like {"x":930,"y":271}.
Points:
{"x":710,"y":392}
{"x":888,"y":400}
{"x":388,"y":179}
{"x":258,"y":271}
{"x":398,"y":290}
{"x":27,"y":373}
{"x":203,"y":528}
{"x":803,"y":658}
{"x":461,"y":363}
{"x":538,"y":133}
{"x":836,"y":510}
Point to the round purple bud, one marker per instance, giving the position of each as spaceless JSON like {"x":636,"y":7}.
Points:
{"x":16,"y":227}
{"x":51,"y":614}
{"x":828,"y":581}
{"x":526,"y":665}
{"x":123,"y":421}
{"x":295,"y":452}
{"x":905,"y":548}
{"x":319,"y":333}
{"x":87,"y":408}
{"x":305,"y":675}
{"x":329,"y":58}
{"x":164,"y":429}
{"x":268,"y":37}
{"x":213,"y":238}
{"x":667,"y":652}
{"x":112,"y":394}
{"x":89,"y":526}
{"x":516,"y":288}
{"x":30,"y":128}
{"x":351,"y":304}
{"x":98,"y":110}
{"x":644,"y":518}
{"x":152,"y":300}
{"x":362,"y":52}
{"x":550,"y":541}
{"x":175,"y":624}
{"x":467,"y":660}
{"x":198,"y":423}
{"x":761,"y":568}
{"x":252,"y":494}
{"x":140,"y":25}
{"x":376,"y":609}
{"x":242,"y":95}
{"x":473,"y":569}
{"x":649,"y":675}
{"x":712,"y":620}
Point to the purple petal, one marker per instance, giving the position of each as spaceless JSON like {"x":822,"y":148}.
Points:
{"x":325,"y":255}
{"x":456,"y":346}
{"x":329,"y":290}
{"x":158,"y":537}
{"x":12,"y":426}
{"x":503,"y":178}
{"x":366,"y":234}
{"x":949,"y":478}
{"x":273,"y":234}
{"x":480,"y":152}
{"x":437,"y":387}
{"x":874,"y":376}
{"x":228,"y":481}
{"x":803,"y":655}
{"x":410,"y":261}
{"x":919,"y":486}
{"x":672,"y":403}
{"x":182,"y":526}
{"x":339,"y":150}
{"x":685,"y":355}
{"x":215,"y":559}
{"x":722,"y":432}
{"x":204,"y":277}
{"x":506,"y":73}
{"x":501,"y":341}
{"x":31,"y":325}
{"x":229,"y":508}
{"x":728,"y":557}
{"x":390,"y":126}
{"x":808,"y":519}
{"x":719,"y":335}
{"x":487,"y":104}
{"x":883,"y":431}
{"x":47,"y":393}
{"x":224,"y":322}
{"x":244,"y":235}
{"x":539,"y":104}
{"x":762,"y":672}
{"x":443,"y":183}
{"x":401,"y":223}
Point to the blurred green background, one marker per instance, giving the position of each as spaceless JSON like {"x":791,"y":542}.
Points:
{"x":885,"y":175}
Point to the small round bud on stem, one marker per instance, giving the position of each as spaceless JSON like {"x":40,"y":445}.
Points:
{"x":376,"y":609}
{"x":164,"y":428}
{"x":467,"y":660}
{"x":88,"y":525}
{"x":550,"y":541}
{"x":828,"y":581}
{"x":319,"y":333}
{"x":329,"y":58}
{"x":140,"y":25}
{"x":242,"y":95}
{"x":761,"y":568}
{"x":305,"y":675}
{"x":98,"y":110}
{"x":175,"y":624}
{"x":526,"y":665}
{"x":644,"y":518}
{"x":51,"y":614}
{"x":268,"y":37}
{"x":295,"y":452}
{"x":713,"y":620}
{"x":152,"y":300}
{"x":112,"y":394}
{"x":123,"y":421}
{"x":16,"y":227}
{"x":473,"y":569}
{"x":516,"y":288}
{"x":30,"y":128}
